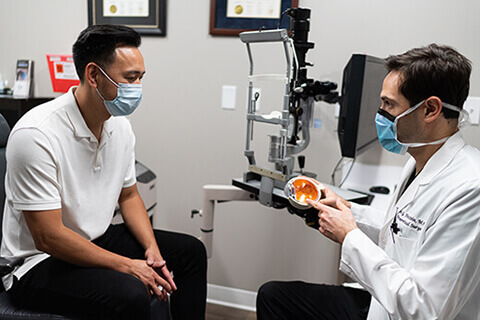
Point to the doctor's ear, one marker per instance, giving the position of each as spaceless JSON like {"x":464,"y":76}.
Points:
{"x":433,"y":108}
{"x":91,"y":74}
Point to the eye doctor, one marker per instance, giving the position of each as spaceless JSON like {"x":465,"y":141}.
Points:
{"x":418,"y":259}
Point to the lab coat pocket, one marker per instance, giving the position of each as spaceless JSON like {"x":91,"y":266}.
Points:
{"x":404,"y":251}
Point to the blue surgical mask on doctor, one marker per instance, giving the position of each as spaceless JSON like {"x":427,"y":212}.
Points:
{"x":127,"y":100}
{"x":388,"y":133}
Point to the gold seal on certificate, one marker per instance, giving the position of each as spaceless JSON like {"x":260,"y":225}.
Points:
{"x":254,"y":9}
{"x":238,"y":9}
{"x":125,"y":8}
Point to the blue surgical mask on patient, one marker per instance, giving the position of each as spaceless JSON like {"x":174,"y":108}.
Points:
{"x":388,"y":134}
{"x":127,"y":100}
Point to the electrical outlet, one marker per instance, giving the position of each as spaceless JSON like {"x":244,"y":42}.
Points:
{"x":229,"y":95}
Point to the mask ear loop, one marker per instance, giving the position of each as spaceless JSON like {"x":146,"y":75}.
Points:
{"x":106,"y":75}
{"x":405,"y":113}
{"x":464,"y":119}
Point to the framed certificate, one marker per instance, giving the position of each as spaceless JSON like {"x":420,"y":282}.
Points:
{"x":230,"y":17}
{"x":148,"y":17}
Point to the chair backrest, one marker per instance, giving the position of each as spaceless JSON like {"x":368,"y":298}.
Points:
{"x":4,"y":132}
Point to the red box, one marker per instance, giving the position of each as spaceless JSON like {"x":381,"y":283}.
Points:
{"x":62,"y":72}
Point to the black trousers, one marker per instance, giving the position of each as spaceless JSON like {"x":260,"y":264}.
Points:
{"x":304,"y":301}
{"x":93,"y":293}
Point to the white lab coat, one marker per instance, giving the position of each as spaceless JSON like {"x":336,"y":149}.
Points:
{"x":432,"y":270}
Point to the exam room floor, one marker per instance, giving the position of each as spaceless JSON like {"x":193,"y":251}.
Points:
{"x":216,"y":312}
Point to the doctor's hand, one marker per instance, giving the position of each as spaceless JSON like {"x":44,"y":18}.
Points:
{"x":155,"y":260}
{"x":331,"y":199}
{"x":335,"y":222}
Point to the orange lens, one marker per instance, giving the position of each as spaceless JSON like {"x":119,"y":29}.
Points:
{"x":304,"y":190}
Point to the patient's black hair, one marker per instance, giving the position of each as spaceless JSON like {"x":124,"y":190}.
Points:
{"x":97,"y":44}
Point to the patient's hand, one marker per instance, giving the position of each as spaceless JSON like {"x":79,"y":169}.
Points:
{"x":155,"y":284}
{"x":155,"y":260}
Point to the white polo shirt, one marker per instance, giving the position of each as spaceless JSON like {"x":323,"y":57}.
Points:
{"x":55,"y":162}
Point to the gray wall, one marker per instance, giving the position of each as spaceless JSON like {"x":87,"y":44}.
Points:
{"x":185,"y":137}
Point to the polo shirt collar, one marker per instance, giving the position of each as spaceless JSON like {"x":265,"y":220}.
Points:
{"x":80,"y":127}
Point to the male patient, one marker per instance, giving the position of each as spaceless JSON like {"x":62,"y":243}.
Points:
{"x":69,"y":162}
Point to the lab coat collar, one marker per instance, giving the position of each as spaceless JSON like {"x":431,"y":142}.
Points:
{"x":80,"y":127}
{"x":437,"y":162}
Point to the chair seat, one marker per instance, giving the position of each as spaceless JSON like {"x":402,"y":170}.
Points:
{"x":160,"y":310}
{"x":10,"y":311}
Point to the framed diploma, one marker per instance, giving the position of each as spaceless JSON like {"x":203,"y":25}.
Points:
{"x":148,"y":17}
{"x":230,"y":17}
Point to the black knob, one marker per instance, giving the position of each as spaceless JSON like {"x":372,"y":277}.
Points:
{"x":301,"y":161}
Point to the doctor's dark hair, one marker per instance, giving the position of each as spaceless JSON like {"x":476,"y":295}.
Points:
{"x":97,"y":44}
{"x":433,"y":70}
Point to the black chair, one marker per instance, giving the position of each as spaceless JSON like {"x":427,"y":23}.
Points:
{"x":9,"y":310}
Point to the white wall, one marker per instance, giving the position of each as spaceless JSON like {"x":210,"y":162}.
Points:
{"x":184,"y":136}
